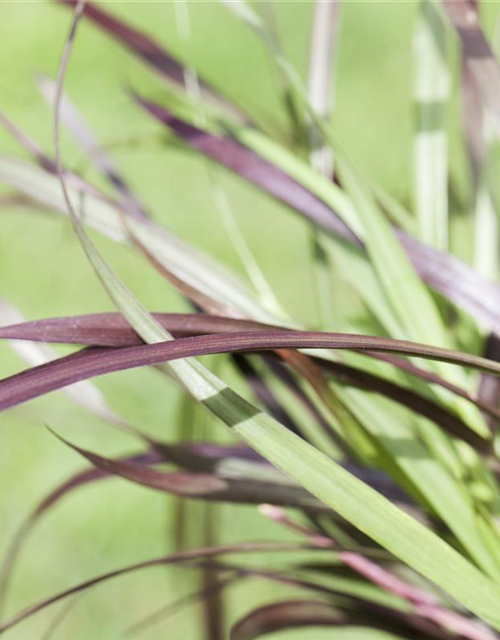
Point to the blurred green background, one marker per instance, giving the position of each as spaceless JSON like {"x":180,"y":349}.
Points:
{"x":43,"y":273}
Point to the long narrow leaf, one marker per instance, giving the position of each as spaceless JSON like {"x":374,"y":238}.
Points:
{"x":478,"y":54}
{"x":431,"y":92}
{"x":142,"y":45}
{"x":173,"y":559}
{"x":446,"y":274}
{"x":99,"y":361}
{"x":112,"y":330}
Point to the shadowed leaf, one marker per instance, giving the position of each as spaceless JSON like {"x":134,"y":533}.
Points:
{"x":295,"y":614}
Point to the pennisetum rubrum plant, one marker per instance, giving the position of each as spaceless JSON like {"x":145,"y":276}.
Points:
{"x":361,"y":435}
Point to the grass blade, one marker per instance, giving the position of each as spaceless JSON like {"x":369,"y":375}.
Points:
{"x":431,"y":141}
{"x":295,"y":614}
{"x":150,"y":51}
{"x":98,"y":361}
{"x":455,"y":280}
{"x":479,"y":56}
{"x":173,"y":559}
{"x":112,"y":330}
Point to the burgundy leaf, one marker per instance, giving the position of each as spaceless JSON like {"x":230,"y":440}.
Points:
{"x":454,"y":279}
{"x":204,"y":485}
{"x":250,"y":166}
{"x":450,"y":422}
{"x":112,"y":330}
{"x":293,"y":614}
{"x":99,"y":361}
{"x":176,"y":558}
{"x":432,"y":378}
{"x":477,"y":53}
{"x":76,"y":481}
{"x":150,"y":51}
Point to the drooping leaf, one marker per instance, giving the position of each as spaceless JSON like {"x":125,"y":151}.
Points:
{"x":111,"y":330}
{"x":99,"y":361}
{"x":203,"y":485}
{"x":293,"y":614}
{"x":173,"y":559}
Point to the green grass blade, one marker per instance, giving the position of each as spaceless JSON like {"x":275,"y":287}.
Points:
{"x":431,"y":91}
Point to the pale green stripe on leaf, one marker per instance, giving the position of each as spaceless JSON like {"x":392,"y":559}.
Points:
{"x":431,"y":94}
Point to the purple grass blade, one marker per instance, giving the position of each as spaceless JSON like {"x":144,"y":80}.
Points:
{"x":182,"y":484}
{"x":433,"y":379}
{"x":80,"y":479}
{"x":207,"y":457}
{"x":478,"y":54}
{"x":99,"y":361}
{"x":111,"y":330}
{"x":173,"y":559}
{"x":444,"y":418}
{"x":489,"y":386}
{"x":264,"y":394}
{"x":455,"y":280}
{"x":250,"y":166}
{"x":204,"y":485}
{"x":296,"y":614}
{"x":152,"y":53}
